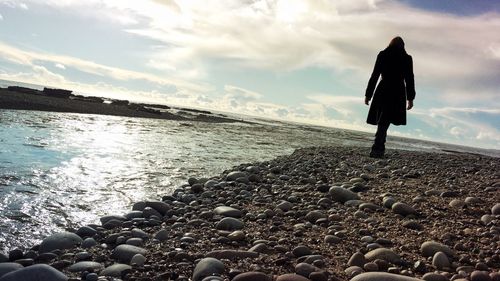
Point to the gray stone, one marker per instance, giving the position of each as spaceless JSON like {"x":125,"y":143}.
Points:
{"x":310,"y":259}
{"x":342,"y":195}
{"x":379,"y":276}
{"x":162,"y":235}
{"x":370,"y":266}
{"x":473,"y":200}
{"x":429,"y":248}
{"x":369,"y":206}
{"x":92,"y":277}
{"x":495,"y":210}
{"x":226,"y":211}
{"x":457,"y":203}
{"x":301,"y":250}
{"x":259,"y":248}
{"x":210,"y":183}
{"x":134,"y":215}
{"x":134,"y":242}
{"x":213,"y":278}
{"x":291,"y":277}
{"x":109,"y":218}
{"x":149,"y":212}
{"x":313,"y":216}
{"x":440,"y":260}
{"x":486,"y":219}
{"x":115,"y":270}
{"x":3,"y":257}
{"x":60,"y":241}
{"x":235,"y":175}
{"x":124,"y":253}
{"x":139,"y":233}
{"x":354,"y":203}
{"x":388,"y":202}
{"x":383,"y":254}
{"x":332,"y":239}
{"x":305,"y":269}
{"x":478,"y":275}
{"x":353,"y":270}
{"x":403,"y":209}
{"x":159,"y":206}
{"x":357,"y":259}
{"x":285,"y":206}
{"x":138,"y":260}
{"x":37,"y":272}
{"x":229,"y":223}
{"x":89,"y":243}
{"x":206,"y":267}
{"x":431,"y":276}
{"x":237,"y":235}
{"x":86,"y":231}
{"x":85,"y":266}
{"x":6,"y":267}
{"x":252,"y":276}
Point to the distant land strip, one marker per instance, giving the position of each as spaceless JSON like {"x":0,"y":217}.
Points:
{"x":60,"y":100}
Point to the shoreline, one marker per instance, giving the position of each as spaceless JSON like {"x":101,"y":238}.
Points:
{"x":56,"y":100}
{"x":325,"y":213}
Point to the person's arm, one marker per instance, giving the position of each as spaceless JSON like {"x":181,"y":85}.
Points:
{"x":410,"y":84}
{"x":372,"y":83}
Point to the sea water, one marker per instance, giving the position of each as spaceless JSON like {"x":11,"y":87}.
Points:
{"x":62,"y":170}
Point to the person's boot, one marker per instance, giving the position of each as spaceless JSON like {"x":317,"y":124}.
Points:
{"x":376,"y":153}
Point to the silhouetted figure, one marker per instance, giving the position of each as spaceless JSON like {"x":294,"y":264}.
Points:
{"x":396,"y":87}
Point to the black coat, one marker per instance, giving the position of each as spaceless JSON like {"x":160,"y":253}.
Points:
{"x":397,"y":86}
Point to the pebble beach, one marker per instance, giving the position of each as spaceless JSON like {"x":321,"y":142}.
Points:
{"x":321,"y":213}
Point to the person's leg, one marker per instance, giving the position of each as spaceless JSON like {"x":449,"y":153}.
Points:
{"x":378,"y":147}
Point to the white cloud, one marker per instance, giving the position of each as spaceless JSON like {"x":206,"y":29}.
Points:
{"x":30,"y":58}
{"x":60,"y":66}
{"x":1,"y":17}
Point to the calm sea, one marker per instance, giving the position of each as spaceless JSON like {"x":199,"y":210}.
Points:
{"x":63,"y":170}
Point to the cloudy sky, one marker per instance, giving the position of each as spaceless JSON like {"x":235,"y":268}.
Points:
{"x":298,"y":60}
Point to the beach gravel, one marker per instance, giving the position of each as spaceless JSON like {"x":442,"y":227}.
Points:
{"x":319,"y":214}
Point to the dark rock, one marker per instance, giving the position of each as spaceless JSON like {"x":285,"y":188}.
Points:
{"x":85,"y":266}
{"x":86,"y":231}
{"x":38,"y":272}
{"x":226,"y":211}
{"x":206,"y":267}
{"x":124,"y":253}
{"x":291,"y":277}
{"x":379,"y":276}
{"x":252,"y":276}
{"x":229,"y":223}
{"x":384,"y":254}
{"x":61,"y":241}
{"x":6,"y":267}
{"x":301,"y":250}
{"x":116,"y":270}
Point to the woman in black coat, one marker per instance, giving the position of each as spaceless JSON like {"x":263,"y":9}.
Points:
{"x":396,"y":87}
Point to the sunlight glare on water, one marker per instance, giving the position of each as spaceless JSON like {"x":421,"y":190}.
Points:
{"x":62,"y":170}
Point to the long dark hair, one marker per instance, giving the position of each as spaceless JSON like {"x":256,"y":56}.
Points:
{"x":397,"y":43}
